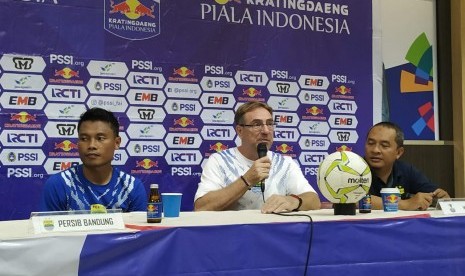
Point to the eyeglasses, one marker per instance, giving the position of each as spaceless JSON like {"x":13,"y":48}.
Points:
{"x":259,"y":126}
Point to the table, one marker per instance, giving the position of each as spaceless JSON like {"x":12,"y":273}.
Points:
{"x":245,"y":243}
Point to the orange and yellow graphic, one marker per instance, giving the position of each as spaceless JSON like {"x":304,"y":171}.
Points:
{"x":132,"y":9}
{"x":146,"y":164}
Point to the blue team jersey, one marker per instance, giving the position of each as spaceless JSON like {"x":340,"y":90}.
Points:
{"x":70,"y":190}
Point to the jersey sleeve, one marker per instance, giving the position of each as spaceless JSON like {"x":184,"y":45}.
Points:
{"x":138,"y":197}
{"x":53,"y":196}
{"x":211,"y":179}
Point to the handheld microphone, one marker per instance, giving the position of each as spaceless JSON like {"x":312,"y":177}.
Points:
{"x":261,"y":151}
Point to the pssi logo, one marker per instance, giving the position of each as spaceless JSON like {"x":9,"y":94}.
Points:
{"x":133,"y":19}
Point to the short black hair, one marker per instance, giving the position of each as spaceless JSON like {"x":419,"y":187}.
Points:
{"x":100,"y":114}
{"x":399,"y":133}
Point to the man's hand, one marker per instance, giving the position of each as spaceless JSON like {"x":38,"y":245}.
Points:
{"x":440,"y":193}
{"x":420,"y":201}
{"x":279,"y":204}
{"x":260,"y":170}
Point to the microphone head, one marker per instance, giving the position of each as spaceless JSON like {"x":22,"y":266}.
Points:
{"x":261,"y":150}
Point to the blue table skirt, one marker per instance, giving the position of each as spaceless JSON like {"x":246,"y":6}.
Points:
{"x":414,"y":246}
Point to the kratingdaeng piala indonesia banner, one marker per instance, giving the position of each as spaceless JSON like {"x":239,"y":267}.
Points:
{"x":174,"y":72}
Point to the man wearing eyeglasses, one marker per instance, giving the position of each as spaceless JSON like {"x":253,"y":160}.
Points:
{"x":231,"y":179}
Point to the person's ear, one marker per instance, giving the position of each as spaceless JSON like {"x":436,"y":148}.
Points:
{"x":117,"y":142}
{"x":400,"y":151}
{"x":239,"y":130}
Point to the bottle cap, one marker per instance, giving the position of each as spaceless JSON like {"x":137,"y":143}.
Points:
{"x":153,"y":186}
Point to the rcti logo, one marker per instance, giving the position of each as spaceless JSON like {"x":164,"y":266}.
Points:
{"x":218,"y":147}
{"x":120,"y":17}
{"x":251,"y":92}
{"x":23,"y":117}
{"x":66,"y":145}
{"x":342,"y":90}
{"x":183,"y":72}
{"x":343,"y":148}
{"x":314,"y":110}
{"x":284,"y":148}
{"x":67,"y":73}
{"x":146,"y":164}
{"x":183,"y":121}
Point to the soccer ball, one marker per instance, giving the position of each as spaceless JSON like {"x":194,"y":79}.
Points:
{"x":344,"y":177}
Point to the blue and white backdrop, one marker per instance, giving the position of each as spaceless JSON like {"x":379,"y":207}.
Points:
{"x":174,"y":71}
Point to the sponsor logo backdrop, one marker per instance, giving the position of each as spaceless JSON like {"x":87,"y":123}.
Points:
{"x":174,"y":72}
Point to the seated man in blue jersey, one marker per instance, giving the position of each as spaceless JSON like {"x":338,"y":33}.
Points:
{"x":383,"y":147}
{"x":95,"y":181}
{"x":231,"y":178}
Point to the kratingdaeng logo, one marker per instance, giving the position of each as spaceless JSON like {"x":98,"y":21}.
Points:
{"x":223,"y":2}
{"x":132,"y":19}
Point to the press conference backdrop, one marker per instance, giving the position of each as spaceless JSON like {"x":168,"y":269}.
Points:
{"x":174,"y":72}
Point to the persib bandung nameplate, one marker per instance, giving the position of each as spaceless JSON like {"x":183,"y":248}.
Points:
{"x":44,"y":223}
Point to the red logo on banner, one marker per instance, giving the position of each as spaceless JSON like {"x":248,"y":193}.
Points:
{"x":23,"y":117}
{"x":252,"y":92}
{"x":66,"y":73}
{"x":343,"y":148}
{"x":314,"y":110}
{"x":146,"y":164}
{"x":218,"y":147}
{"x":284,"y":148}
{"x":183,"y":72}
{"x":343,"y":90}
{"x":66,"y":145}
{"x":183,"y":121}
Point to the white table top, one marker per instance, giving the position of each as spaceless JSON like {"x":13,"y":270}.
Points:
{"x":19,"y":229}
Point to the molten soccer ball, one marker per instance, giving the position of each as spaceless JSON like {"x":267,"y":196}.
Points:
{"x":344,"y":177}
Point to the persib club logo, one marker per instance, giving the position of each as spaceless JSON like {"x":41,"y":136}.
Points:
{"x":132,"y":19}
